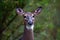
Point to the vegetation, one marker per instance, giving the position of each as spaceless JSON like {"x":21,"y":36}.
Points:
{"x":47,"y":25}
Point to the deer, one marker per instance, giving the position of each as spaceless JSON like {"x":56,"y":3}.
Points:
{"x":29,"y":19}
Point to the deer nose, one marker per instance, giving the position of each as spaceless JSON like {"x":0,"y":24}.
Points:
{"x":30,"y":23}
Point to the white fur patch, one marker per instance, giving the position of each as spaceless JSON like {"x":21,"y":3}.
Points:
{"x":30,"y":27}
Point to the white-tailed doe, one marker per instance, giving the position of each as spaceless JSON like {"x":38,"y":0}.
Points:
{"x":28,"y":22}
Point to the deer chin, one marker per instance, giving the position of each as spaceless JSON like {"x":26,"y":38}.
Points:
{"x":30,"y":27}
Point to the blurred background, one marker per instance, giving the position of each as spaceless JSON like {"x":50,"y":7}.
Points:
{"x":47,"y":25}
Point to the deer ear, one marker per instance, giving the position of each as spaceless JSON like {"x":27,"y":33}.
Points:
{"x":19,"y":11}
{"x":38,"y":10}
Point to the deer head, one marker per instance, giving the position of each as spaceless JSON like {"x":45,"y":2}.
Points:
{"x":28,"y":16}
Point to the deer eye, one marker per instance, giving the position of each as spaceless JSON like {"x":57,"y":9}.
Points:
{"x":24,"y":16}
{"x":33,"y":16}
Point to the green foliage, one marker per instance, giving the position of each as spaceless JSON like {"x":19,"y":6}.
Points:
{"x":44,"y":25}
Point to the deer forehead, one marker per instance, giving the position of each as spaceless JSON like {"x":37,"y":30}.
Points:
{"x":28,"y":14}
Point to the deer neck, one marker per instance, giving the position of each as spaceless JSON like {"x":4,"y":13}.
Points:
{"x":28,"y":32}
